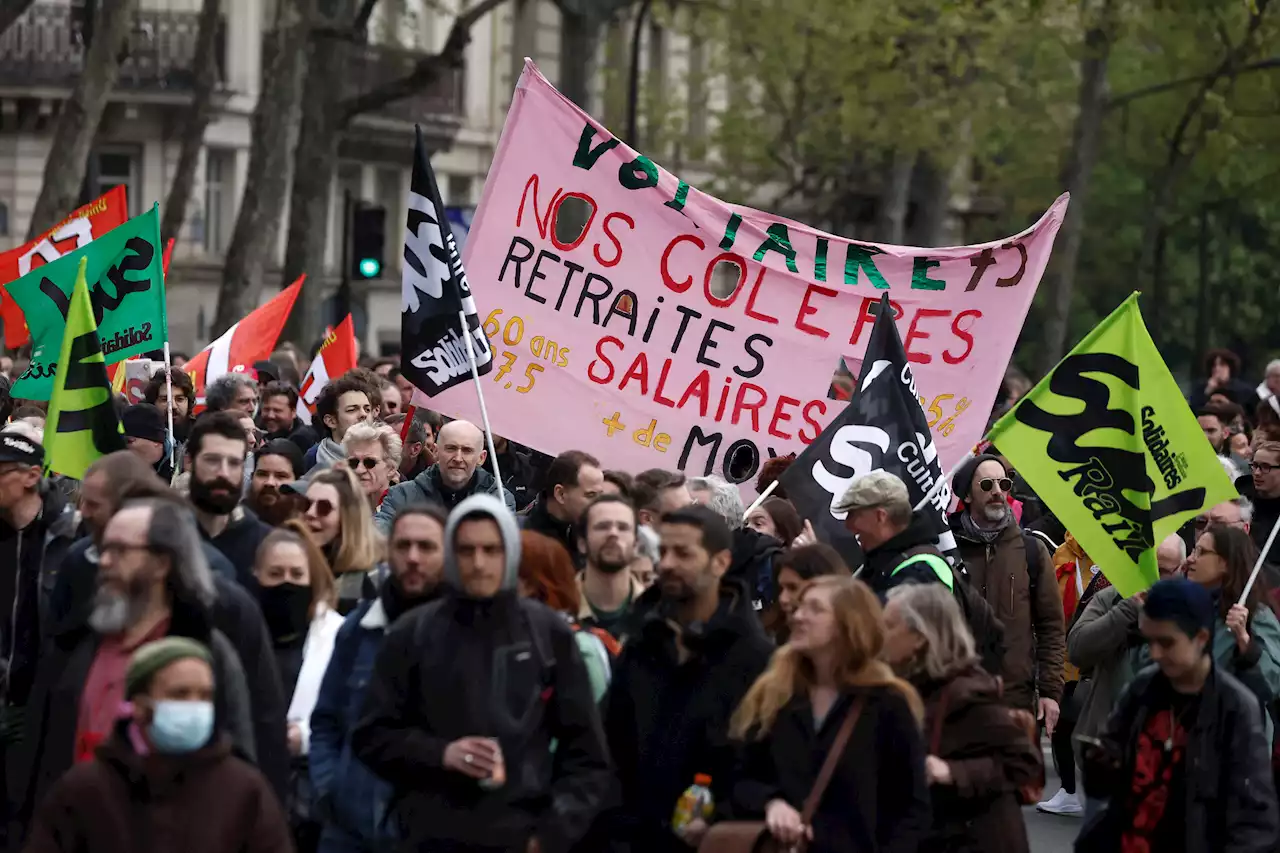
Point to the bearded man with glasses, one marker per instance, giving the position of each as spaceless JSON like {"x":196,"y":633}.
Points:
{"x":1014,"y":573}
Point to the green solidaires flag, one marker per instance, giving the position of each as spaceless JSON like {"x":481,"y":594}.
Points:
{"x":82,"y":423}
{"x":1108,"y":443}
{"x":126,"y":290}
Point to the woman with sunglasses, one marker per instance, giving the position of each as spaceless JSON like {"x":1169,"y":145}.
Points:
{"x":295,"y":590}
{"x":373,"y":454}
{"x":340,"y":521}
{"x":1246,"y":638}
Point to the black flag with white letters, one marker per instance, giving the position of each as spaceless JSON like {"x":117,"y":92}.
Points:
{"x":434,"y":291}
{"x":882,"y":428}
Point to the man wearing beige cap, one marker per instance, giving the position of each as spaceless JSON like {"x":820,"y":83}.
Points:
{"x":900,"y":549}
{"x":899,"y":544}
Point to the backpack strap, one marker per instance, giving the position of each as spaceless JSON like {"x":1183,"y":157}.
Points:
{"x":940,"y":567}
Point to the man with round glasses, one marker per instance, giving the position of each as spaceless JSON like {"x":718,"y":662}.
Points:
{"x":218,"y":448}
{"x":1014,"y":573}
{"x":1262,"y":487}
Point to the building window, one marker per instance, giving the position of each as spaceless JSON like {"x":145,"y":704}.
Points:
{"x":459,"y":191}
{"x":219,"y":199}
{"x":114,"y":167}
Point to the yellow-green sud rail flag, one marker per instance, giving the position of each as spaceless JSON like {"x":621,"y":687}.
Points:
{"x":126,"y":289}
{"x":1108,"y":443}
{"x":82,"y":423}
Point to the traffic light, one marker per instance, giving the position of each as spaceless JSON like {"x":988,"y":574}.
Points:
{"x":368,"y":239}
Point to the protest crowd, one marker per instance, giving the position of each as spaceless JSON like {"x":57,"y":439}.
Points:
{"x":293,"y":604}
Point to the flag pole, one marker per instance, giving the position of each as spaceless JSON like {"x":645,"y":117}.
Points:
{"x":168,"y":384}
{"x":755,"y":504}
{"x":938,"y":483}
{"x":1257,"y":567}
{"x":484,"y":410}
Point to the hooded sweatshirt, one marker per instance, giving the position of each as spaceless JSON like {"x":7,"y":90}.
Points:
{"x":505,"y":668}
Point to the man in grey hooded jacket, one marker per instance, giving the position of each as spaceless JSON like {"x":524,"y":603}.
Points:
{"x":467,"y":696}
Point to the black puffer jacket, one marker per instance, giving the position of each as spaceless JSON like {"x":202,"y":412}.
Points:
{"x":1230,"y":797}
{"x":668,"y":721}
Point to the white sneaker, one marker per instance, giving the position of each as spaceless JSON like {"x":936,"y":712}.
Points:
{"x":1063,"y":804}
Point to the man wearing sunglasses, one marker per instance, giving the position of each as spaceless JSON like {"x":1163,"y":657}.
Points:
{"x":1014,"y":572}
{"x":1261,"y":485}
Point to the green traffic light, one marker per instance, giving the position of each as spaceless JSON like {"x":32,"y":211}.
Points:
{"x":369,"y":267}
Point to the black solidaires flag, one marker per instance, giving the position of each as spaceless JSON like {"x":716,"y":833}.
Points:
{"x":882,"y":428}
{"x":434,"y":292}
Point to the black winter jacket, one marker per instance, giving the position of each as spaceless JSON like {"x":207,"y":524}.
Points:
{"x":1230,"y":795}
{"x":538,"y":520}
{"x":918,"y":538}
{"x":668,"y":721}
{"x":878,"y":798}
{"x":40,"y":550}
{"x":519,"y":477}
{"x":507,"y":668}
{"x":1265,"y":513}
{"x":239,"y":542}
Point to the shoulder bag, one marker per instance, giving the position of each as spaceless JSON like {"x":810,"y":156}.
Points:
{"x":753,"y":836}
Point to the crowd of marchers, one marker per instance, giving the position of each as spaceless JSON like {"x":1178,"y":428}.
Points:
{"x":260,"y":634}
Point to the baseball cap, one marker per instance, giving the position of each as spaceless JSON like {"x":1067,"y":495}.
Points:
{"x":144,"y":421}
{"x":15,"y":447}
{"x":874,"y":489}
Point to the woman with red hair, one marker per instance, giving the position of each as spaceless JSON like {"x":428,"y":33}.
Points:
{"x":547,"y":575}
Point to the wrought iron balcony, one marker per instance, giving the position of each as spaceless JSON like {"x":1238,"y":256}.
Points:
{"x":44,"y":49}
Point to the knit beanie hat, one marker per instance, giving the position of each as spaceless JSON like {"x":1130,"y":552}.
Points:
{"x":962,"y":482}
{"x":153,"y":657}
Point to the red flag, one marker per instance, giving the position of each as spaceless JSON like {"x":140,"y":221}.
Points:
{"x":75,"y":232}
{"x":337,"y":355}
{"x":168,"y":256}
{"x":252,"y":339}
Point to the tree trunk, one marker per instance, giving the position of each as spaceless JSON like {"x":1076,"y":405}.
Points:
{"x":578,"y":37}
{"x":1206,"y":277}
{"x":1155,"y":316}
{"x":194,"y":123}
{"x":891,"y":218}
{"x":1076,"y":173}
{"x":253,"y":239}
{"x":81,"y":113}
{"x":315,"y":164}
{"x":934,"y":205}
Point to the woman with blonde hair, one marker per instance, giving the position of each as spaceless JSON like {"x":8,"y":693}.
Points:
{"x":979,"y":752}
{"x":340,"y":521}
{"x":828,"y":677}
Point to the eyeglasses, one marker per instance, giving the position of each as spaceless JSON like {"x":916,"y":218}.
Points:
{"x":322,"y":507}
{"x":988,"y":483}
{"x":1262,"y":467}
{"x":369,"y":462}
{"x":115,"y":549}
{"x":1202,"y":552}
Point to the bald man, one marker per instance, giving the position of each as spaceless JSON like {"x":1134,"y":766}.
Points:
{"x":457,"y":474}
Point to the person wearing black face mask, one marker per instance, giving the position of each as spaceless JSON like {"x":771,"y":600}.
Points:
{"x":297,"y":595}
{"x":350,"y":798}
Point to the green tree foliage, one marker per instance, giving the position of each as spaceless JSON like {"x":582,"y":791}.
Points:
{"x":820,"y":99}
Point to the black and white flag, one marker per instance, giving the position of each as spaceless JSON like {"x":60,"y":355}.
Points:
{"x":434,"y":291}
{"x":882,"y":428}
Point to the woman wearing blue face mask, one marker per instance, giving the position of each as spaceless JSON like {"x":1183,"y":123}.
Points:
{"x":164,"y":780}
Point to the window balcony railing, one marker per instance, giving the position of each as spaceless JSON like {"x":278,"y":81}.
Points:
{"x":45,"y":49}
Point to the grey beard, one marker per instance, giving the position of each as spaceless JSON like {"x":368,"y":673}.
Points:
{"x":114,"y":613}
{"x":995,"y":513}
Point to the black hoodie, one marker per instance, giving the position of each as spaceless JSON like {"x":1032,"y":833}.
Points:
{"x":668,"y":721}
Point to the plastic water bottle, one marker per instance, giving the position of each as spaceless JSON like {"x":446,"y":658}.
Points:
{"x":696,"y":802}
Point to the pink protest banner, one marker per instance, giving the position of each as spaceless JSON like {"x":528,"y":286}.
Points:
{"x":617,"y":342}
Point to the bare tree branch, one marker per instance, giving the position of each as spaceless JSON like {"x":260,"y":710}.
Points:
{"x":1129,"y":97}
{"x":361,"y":22}
{"x":428,"y":70}
{"x":12,"y":10}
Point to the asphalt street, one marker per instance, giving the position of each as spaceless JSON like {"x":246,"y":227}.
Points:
{"x":1050,"y":833}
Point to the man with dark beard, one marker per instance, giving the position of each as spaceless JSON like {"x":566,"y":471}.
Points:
{"x":277,"y":462}
{"x":1001,"y":560}
{"x":607,"y":539}
{"x":153,"y":582}
{"x":218,"y":448}
{"x":350,"y":797}
{"x":468,"y":696}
